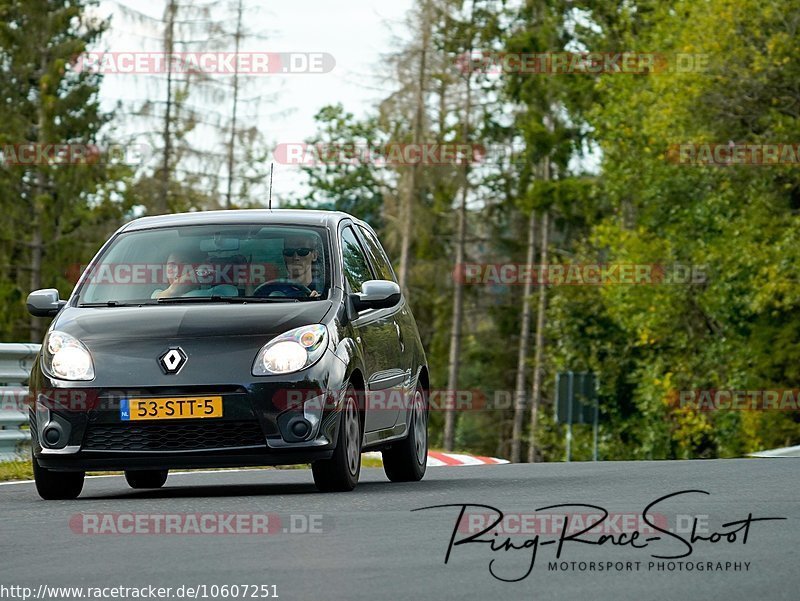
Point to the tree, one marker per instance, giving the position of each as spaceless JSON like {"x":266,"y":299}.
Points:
{"x":199,"y":122}
{"x":649,"y":342}
{"x":341,"y":177}
{"x":47,"y":101}
{"x":426,"y":25}
{"x":524,"y":335}
{"x":547,"y":122}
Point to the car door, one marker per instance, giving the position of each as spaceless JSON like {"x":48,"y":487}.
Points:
{"x":403,"y":320}
{"x":376,"y":333}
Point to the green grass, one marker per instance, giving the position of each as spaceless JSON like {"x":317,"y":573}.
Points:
{"x":15,"y":470}
{"x":371,"y":462}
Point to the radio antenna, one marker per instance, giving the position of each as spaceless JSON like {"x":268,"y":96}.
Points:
{"x":271,"y":165}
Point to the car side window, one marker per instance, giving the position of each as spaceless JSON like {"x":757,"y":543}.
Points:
{"x":378,"y":256}
{"x":354,"y":262}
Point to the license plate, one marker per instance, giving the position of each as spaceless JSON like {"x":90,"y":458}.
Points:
{"x":170,"y":408}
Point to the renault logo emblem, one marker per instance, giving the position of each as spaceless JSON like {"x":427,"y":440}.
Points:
{"x":172,"y":361}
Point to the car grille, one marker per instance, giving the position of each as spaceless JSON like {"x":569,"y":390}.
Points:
{"x":173,"y":437}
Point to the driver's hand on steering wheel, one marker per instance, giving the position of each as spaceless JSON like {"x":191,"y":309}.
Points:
{"x":280,"y":287}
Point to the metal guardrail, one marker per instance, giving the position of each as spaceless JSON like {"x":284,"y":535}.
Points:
{"x":16,"y":361}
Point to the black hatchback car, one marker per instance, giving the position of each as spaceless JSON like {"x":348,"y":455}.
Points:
{"x":230,"y":338}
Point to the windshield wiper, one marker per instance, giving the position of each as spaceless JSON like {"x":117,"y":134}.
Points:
{"x":226,"y":299}
{"x":260,"y":299}
{"x":111,"y":303}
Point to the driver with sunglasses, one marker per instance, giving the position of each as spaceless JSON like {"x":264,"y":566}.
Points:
{"x":299,"y":254}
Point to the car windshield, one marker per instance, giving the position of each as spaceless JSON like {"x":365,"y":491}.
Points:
{"x":210,"y":263}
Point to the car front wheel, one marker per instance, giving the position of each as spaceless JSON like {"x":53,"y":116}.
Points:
{"x":53,"y":486}
{"x":340,"y":472}
{"x":406,"y":460}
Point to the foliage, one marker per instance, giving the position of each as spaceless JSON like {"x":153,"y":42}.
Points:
{"x":737,"y":329}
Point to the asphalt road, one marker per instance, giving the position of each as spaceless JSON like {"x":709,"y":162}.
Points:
{"x":369,"y":544}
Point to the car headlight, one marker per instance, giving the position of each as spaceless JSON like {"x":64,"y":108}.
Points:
{"x":292,"y":351}
{"x":66,"y":358}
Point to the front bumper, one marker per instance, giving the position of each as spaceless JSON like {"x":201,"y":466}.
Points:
{"x":91,"y":461}
{"x":255,"y":428}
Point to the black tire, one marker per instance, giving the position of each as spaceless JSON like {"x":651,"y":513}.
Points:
{"x":55,"y":486}
{"x":146,"y":478}
{"x":340,"y":472}
{"x":406,"y":460}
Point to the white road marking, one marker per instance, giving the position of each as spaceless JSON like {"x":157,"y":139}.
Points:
{"x":250,"y":469}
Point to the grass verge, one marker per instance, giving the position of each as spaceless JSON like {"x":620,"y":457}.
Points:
{"x":22,"y":470}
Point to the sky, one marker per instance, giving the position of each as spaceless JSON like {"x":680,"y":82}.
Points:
{"x":356,"y":33}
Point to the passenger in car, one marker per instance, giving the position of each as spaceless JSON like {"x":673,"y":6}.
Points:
{"x":181,"y":272}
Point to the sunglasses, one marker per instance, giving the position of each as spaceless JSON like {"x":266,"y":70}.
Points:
{"x":300,"y":252}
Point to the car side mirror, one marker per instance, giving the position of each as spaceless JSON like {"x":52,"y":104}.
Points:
{"x":376,"y":294}
{"x":45,"y":303}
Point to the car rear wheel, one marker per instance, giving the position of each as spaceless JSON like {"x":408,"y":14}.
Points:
{"x":340,"y":472}
{"x":53,"y":486}
{"x":406,"y":460}
{"x":146,"y":478}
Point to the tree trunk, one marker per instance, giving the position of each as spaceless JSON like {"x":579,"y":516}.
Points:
{"x":536,"y":393}
{"x":169,"y":46}
{"x":458,"y":291}
{"x":232,"y":141}
{"x":524,"y":339}
{"x":36,"y":214}
{"x":36,"y":265}
{"x":412,"y":192}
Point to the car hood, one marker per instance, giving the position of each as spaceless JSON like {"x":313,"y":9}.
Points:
{"x":220,"y":340}
{"x":188,"y":321}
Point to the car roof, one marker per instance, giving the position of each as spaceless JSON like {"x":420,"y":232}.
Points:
{"x":329,"y":219}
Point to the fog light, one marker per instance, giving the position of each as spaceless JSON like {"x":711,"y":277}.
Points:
{"x":301,"y":428}
{"x":52,"y":435}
